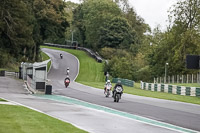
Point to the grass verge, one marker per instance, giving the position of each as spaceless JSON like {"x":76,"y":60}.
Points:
{"x":46,"y":57}
{"x":18,"y":119}
{"x":91,"y":74}
{"x":2,"y":100}
{"x":11,"y":67}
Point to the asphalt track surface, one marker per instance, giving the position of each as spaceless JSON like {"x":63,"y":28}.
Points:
{"x":177,"y":113}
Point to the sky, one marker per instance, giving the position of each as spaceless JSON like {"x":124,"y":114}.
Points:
{"x":154,"y":12}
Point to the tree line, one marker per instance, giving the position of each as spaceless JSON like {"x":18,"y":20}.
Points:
{"x":110,"y":27}
{"x":134,"y":50}
{"x":25,"y":25}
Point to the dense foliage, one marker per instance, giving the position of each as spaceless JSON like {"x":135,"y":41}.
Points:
{"x":110,"y":27}
{"x":25,"y":25}
{"x":134,"y":51}
{"x":181,"y":38}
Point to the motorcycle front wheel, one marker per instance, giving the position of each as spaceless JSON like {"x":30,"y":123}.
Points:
{"x":117,"y":97}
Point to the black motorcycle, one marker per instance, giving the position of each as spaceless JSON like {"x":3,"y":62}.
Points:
{"x":61,"y":56}
{"x":117,"y":93}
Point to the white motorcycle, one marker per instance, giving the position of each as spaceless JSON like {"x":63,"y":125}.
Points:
{"x":107,"y":90}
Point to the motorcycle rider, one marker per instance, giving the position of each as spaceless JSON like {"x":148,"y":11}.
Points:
{"x":67,"y":78}
{"x":116,"y":85}
{"x":67,"y":70}
{"x":61,"y":55}
{"x":109,"y":84}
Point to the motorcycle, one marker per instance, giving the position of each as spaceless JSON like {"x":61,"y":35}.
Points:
{"x":61,"y":56}
{"x":117,"y":93}
{"x":67,"y":81}
{"x":107,"y":90}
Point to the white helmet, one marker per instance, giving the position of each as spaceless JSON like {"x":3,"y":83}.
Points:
{"x":108,"y":81}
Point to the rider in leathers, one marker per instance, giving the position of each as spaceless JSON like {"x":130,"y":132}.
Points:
{"x":116,"y":85}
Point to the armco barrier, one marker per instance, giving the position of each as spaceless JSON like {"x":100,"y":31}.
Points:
{"x":91,"y":53}
{"x":124,"y":81}
{"x":179,"y":90}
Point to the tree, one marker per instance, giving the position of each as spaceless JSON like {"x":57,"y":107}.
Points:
{"x":115,"y":33}
{"x":186,"y":19}
{"x":181,"y":38}
{"x":26,"y":24}
{"x":186,"y":13}
{"x":15,"y":28}
{"x":90,"y":16}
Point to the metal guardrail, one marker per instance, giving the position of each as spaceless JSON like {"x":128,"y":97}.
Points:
{"x":124,"y":82}
{"x":7,"y":73}
{"x":91,"y":53}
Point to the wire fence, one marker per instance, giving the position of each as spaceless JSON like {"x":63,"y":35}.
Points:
{"x":188,"y":78}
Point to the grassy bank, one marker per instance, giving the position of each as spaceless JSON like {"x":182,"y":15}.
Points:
{"x":91,"y":74}
{"x":11,"y":67}
{"x":2,"y":100}
{"x":46,"y":57}
{"x":18,"y":119}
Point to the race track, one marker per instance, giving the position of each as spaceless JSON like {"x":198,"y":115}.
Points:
{"x":176,"y":113}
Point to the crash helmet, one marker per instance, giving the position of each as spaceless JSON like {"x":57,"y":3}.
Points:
{"x":108,"y":81}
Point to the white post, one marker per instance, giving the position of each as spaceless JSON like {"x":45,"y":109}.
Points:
{"x":182,"y":78}
{"x":192,"y":78}
{"x":166,"y":64}
{"x":173,"y":79}
{"x":187,"y":79}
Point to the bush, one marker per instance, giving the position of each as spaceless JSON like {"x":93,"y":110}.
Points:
{"x":107,"y":53}
{"x":144,"y":74}
{"x":4,"y":58}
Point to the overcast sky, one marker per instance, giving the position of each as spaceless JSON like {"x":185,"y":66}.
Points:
{"x":154,"y":12}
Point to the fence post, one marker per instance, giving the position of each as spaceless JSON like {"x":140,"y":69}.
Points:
{"x":192,"y":78}
{"x":177,"y":79}
{"x":169,"y":79}
{"x":173,"y":79}
{"x":187,"y":79}
{"x":182,"y":78}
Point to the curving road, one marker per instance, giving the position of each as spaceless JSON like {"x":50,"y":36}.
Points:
{"x":176,"y":113}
